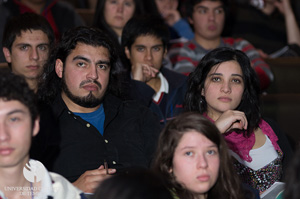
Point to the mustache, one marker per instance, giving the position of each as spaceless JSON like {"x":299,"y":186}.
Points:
{"x":90,"y":81}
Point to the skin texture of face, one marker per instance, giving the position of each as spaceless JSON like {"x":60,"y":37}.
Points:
{"x":28,"y":54}
{"x":223,"y":88}
{"x":117,"y":13}
{"x":86,"y":75}
{"x":196,"y":163}
{"x":147,"y":50}
{"x":208,"y":20}
{"x":15,"y":133}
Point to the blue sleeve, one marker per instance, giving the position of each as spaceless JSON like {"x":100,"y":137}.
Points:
{"x":183,"y":29}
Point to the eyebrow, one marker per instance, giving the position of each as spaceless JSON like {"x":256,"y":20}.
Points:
{"x":220,"y":74}
{"x":204,"y":7}
{"x":27,"y":44}
{"x":192,"y":147}
{"x":141,"y":45}
{"x":79,"y":57}
{"x":16,"y":111}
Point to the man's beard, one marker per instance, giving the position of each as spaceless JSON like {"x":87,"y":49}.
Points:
{"x":89,"y":101}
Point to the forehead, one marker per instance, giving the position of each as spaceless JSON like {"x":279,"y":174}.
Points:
{"x":209,"y":4}
{"x":32,"y":37}
{"x":194,"y":138}
{"x":10,"y":106}
{"x":227,"y":67}
{"x":148,"y":40}
{"x":95,"y":53}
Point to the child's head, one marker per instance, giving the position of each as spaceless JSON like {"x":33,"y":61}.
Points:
{"x":192,"y":155}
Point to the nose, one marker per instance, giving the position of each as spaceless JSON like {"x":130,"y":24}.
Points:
{"x":226,"y":87}
{"x":202,"y":161}
{"x":148,"y":55}
{"x":4,"y":133}
{"x":211,"y":16}
{"x":120,"y":7}
{"x":34,"y":54}
{"x":92,"y":73}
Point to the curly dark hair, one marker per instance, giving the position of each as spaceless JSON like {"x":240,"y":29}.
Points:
{"x":228,"y":185}
{"x":250,"y":103}
{"x":50,"y":85}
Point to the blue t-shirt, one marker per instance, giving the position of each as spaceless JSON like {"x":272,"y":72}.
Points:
{"x":95,"y":118}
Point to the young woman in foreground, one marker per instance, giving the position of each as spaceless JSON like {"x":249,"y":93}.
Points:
{"x":224,"y":88}
{"x":193,"y":159}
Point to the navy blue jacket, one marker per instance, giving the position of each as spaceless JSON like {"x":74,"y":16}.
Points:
{"x":170,"y":104}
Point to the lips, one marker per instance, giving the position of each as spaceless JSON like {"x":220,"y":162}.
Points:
{"x":203,"y":178}
{"x":6,"y":151}
{"x":91,"y":87}
{"x":212,"y":27}
{"x":225,"y":99}
{"x":32,"y":67}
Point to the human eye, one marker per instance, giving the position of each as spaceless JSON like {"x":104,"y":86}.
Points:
{"x":157,"y":48}
{"x":219,"y":11}
{"x":128,"y":3}
{"x":24,"y":47}
{"x":212,"y":152}
{"x":201,"y":10}
{"x":237,"y":80}
{"x":140,"y":49}
{"x":81,"y":64}
{"x":215,"y":79}
{"x":43,"y":47}
{"x":188,"y":153}
{"x":14,"y":119}
{"x":112,"y":1}
{"x":102,"y":66}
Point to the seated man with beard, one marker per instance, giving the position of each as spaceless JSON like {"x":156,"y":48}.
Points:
{"x":98,"y":129}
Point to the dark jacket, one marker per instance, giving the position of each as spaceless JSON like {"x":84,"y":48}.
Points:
{"x":130,"y":135}
{"x":171,"y":104}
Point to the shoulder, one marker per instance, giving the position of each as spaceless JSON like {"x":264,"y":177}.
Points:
{"x":174,"y":78}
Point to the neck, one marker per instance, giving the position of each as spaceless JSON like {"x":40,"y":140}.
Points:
{"x":33,"y":84}
{"x":37,"y":7}
{"x":118,"y":31}
{"x":214,"y":116}
{"x":208,"y":44}
{"x":200,"y":196}
{"x":12,"y":177}
{"x":75,"y":107}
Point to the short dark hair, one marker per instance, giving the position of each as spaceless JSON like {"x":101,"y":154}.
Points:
{"x":228,"y":183}
{"x":51,"y":84}
{"x":189,"y":5}
{"x":26,"y":22}
{"x":153,"y":25}
{"x":15,"y":87}
{"x":135,"y":184}
{"x":250,"y":103}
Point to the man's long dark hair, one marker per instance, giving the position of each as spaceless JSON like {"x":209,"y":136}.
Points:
{"x":51,"y":85}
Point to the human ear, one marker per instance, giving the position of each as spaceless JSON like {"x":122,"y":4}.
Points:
{"x":202,"y":92}
{"x":127,"y":52}
{"x":59,"y":68}
{"x":7,"y":54}
{"x":36,"y":127}
{"x":191,"y":21}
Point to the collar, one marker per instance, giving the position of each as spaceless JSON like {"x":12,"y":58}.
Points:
{"x":164,"y":87}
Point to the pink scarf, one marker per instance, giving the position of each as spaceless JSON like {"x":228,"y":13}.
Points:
{"x":242,"y":145}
